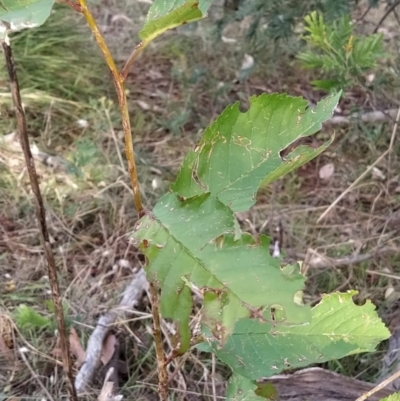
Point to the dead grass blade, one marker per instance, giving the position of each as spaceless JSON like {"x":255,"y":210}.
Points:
{"x":107,"y":390}
{"x":108,"y":349}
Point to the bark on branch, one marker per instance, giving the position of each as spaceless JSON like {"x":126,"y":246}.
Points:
{"x":131,"y":297}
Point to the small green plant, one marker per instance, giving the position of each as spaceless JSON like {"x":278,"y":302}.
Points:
{"x":27,"y":318}
{"x":336,"y":51}
{"x":253,"y":315}
{"x":86,"y":160}
{"x":278,"y":19}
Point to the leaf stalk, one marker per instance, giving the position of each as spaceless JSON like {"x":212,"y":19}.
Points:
{"x":131,"y":59}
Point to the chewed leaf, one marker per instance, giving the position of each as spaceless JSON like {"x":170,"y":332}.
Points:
{"x":16,"y":15}
{"x":240,"y":152}
{"x":161,"y":8}
{"x":338,"y":328}
{"x":196,"y":243}
{"x":168,"y":14}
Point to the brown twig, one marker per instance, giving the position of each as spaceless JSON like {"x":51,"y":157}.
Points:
{"x":122,"y":101}
{"x":41,"y":218}
{"x":384,"y":16}
{"x":364,"y":14}
{"x":379,"y":387}
{"x":163,"y":388}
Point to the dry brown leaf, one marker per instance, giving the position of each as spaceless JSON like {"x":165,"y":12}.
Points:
{"x":326,"y":171}
{"x":108,"y":349}
{"x":6,"y":331}
{"x":377,"y":174}
{"x":10,"y":286}
{"x":248,"y":62}
{"x":143,"y":105}
{"x":5,"y":351}
{"x":389,"y":291}
{"x":76,"y":348}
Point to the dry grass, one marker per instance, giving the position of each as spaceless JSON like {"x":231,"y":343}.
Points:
{"x":91,"y":212}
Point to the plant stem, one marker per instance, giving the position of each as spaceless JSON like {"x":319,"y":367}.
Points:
{"x":41,"y":218}
{"x":161,"y":360}
{"x":388,"y":11}
{"x":120,"y":88}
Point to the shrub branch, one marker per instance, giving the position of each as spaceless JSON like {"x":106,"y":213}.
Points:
{"x":41,"y":217}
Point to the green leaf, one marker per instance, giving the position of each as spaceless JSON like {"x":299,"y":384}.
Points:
{"x":392,"y":397}
{"x":197,"y":242}
{"x":338,"y":328}
{"x":168,"y":14}
{"x":16,"y":15}
{"x":242,"y":389}
{"x":203,"y":347}
{"x":241,"y":151}
{"x":161,"y":8}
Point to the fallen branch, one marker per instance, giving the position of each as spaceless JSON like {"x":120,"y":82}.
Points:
{"x":316,"y":384}
{"x":365,"y":173}
{"x":316,"y":260}
{"x":131,"y":297}
{"x":372,"y":117}
{"x":319,"y":261}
